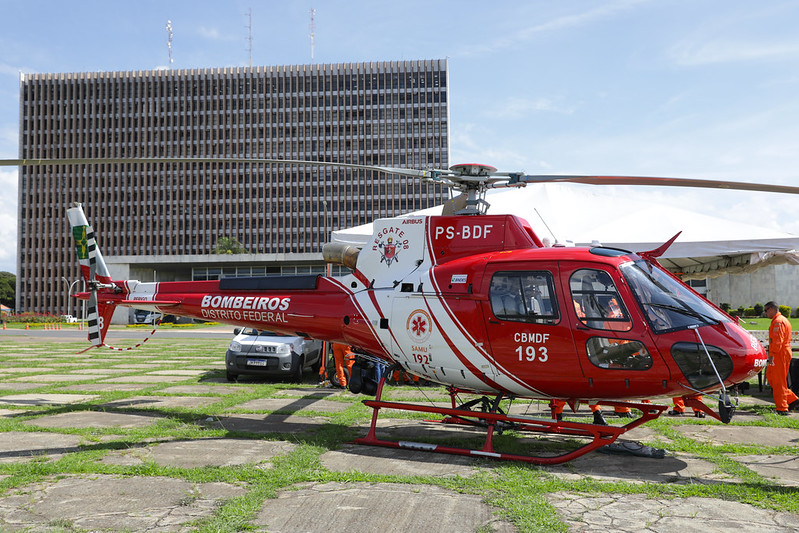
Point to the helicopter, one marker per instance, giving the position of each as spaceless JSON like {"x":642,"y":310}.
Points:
{"x":477,"y":303}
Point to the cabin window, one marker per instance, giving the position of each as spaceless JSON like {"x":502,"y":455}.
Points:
{"x":698,"y":369}
{"x":597,"y":302}
{"x":618,"y":354}
{"x":524,"y":296}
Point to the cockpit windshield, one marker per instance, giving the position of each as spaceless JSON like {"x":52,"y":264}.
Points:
{"x":667,"y":304}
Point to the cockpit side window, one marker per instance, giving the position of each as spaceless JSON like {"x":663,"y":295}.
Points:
{"x":524,"y":296}
{"x":597,"y":302}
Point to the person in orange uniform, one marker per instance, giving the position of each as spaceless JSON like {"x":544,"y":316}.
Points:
{"x":340,"y":357}
{"x":679,"y":407}
{"x":779,"y":359}
{"x":557,"y":411}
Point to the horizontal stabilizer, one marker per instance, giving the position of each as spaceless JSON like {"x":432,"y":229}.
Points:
{"x":163,"y":303}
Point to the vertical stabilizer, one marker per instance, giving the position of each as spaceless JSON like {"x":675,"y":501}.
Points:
{"x":92,"y":265}
{"x":94,"y":272}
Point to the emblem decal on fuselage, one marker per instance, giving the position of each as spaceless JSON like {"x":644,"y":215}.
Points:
{"x":419,"y":326}
{"x":389,"y":243}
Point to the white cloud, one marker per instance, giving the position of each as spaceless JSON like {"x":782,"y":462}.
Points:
{"x":565,"y":22}
{"x":721,"y":51}
{"x":209,"y":33}
{"x":214,"y":34}
{"x":519,"y":108}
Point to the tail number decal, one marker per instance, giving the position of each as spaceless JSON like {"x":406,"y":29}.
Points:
{"x":530,"y":352}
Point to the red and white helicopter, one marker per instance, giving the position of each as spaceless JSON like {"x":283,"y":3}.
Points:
{"x":477,"y":303}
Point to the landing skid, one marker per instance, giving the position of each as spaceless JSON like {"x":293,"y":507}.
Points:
{"x":494,"y":419}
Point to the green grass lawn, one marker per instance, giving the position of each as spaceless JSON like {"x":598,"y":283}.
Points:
{"x":517,"y":492}
{"x":763,"y":323}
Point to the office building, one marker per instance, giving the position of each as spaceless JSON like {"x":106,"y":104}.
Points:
{"x":162,"y":221}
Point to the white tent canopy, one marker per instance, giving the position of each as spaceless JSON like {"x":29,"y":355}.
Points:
{"x":708,"y":246}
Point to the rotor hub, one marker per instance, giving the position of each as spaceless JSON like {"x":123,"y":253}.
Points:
{"x":472,"y":169}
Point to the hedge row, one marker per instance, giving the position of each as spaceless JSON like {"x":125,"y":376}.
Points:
{"x":757,"y":311}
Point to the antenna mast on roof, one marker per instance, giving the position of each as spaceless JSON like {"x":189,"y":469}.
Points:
{"x":312,"y":27}
{"x":249,"y":35}
{"x":169,"y":40}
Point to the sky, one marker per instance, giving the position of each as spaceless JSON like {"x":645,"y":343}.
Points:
{"x":683,"y":88}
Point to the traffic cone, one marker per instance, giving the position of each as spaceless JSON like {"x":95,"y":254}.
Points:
{"x":27,"y":326}
{"x":4,"y":326}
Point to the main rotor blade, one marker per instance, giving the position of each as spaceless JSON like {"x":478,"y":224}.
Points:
{"x":661,"y":182}
{"x":450,"y":177}
{"x":213,"y":160}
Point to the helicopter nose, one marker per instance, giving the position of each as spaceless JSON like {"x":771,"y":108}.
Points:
{"x":753,"y":360}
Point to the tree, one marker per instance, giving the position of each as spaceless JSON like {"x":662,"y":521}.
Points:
{"x":229,"y":245}
{"x":8,"y":289}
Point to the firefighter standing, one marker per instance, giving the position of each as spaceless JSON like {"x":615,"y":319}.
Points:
{"x":342,"y":357}
{"x":779,"y":358}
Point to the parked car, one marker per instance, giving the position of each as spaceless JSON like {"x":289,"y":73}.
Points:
{"x":144,"y":317}
{"x":265,"y":353}
{"x":69,"y":319}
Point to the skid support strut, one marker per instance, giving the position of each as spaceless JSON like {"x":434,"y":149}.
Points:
{"x":599,"y":435}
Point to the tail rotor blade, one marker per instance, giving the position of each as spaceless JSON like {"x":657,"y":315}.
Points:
{"x":95,"y":335}
{"x":91,"y":245}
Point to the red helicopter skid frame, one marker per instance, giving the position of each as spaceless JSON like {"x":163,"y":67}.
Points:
{"x":600,"y":435}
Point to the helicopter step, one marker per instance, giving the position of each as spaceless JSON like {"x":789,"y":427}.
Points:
{"x":494,"y":420}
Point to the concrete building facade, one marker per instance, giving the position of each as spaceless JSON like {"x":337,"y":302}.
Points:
{"x":162,"y":221}
{"x":779,"y":283}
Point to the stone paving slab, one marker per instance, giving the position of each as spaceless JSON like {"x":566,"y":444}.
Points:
{"x":106,"y":371}
{"x":16,"y":386}
{"x":103,"y":387}
{"x":25,"y":369}
{"x":205,"y":389}
{"x":203,"y":452}
{"x":292,"y":405}
{"x":761,"y":436}
{"x":417,"y":395}
{"x":271,"y":423}
{"x":144,"y":379}
{"x":137,"y":366}
{"x":782,"y":469}
{"x":397,"y":428}
{"x":312,"y":392}
{"x":45,"y":399}
{"x":177,"y":372}
{"x":157,"y":402}
{"x":23,"y":445}
{"x":394,"y":461}
{"x":168,"y":361}
{"x":348,"y":507}
{"x":755,"y":401}
{"x":209,"y":366}
{"x":55,"y":378}
{"x":676,"y":468}
{"x":93,"y":419}
{"x":635,"y":513}
{"x":103,"y":502}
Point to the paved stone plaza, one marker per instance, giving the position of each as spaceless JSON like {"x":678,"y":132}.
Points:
{"x":155,"y":439}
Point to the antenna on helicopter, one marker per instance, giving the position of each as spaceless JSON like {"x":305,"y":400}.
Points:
{"x":547,"y":226}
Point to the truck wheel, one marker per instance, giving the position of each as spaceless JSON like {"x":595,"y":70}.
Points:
{"x":230,"y":376}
